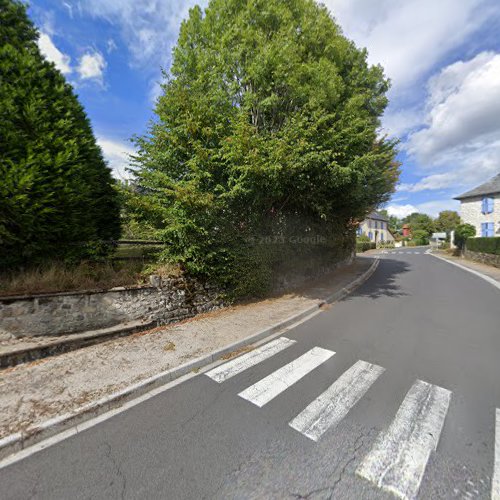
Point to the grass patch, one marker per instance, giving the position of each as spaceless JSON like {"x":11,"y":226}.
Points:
{"x":58,"y":277}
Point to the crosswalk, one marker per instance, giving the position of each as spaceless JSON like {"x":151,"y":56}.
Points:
{"x":398,"y":458}
{"x":404,"y":253}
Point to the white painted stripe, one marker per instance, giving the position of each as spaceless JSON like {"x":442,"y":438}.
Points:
{"x":332,"y":406}
{"x":495,"y":482}
{"x":399,"y":456}
{"x":274,"y":384}
{"x":241,"y":363}
{"x":416,"y":253}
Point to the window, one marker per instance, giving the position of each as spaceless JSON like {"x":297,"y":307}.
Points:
{"x":382,"y":236}
{"x":359,"y":231}
{"x":487,"y":229}
{"x":487,"y":205}
{"x":370,"y":235}
{"x":382,"y":225}
{"x":376,"y":225}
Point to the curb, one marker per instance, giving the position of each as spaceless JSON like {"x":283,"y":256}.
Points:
{"x":22,"y":440}
{"x":76,"y":341}
{"x":489,"y":279}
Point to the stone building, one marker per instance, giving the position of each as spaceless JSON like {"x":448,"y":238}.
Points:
{"x":481,"y":207}
{"x":376,"y":227}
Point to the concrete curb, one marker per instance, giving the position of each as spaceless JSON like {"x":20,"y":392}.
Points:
{"x":21,"y":440}
{"x":489,"y":279}
{"x":71,"y":343}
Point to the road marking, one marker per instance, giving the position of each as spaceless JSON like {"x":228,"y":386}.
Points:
{"x":416,"y":253}
{"x":274,"y":384}
{"x":495,"y":482}
{"x":241,"y":363}
{"x":399,"y":456}
{"x":332,"y":406}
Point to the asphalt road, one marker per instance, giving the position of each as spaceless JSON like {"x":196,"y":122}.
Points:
{"x":378,"y":429}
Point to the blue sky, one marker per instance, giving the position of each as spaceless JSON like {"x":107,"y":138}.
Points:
{"x":443,"y":58}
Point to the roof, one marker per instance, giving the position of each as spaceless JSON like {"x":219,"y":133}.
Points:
{"x":377,"y":216}
{"x":490,"y":187}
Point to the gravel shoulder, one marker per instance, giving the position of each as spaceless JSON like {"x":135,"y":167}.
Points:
{"x":35,"y":392}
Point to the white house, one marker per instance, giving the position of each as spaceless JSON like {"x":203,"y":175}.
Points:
{"x":481,"y":207}
{"x":376,"y":227}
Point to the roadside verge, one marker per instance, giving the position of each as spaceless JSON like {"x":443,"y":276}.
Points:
{"x":23,"y":430}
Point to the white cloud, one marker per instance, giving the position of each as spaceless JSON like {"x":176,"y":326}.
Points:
{"x":53,"y":54}
{"x":402,"y":121}
{"x":91,"y":66}
{"x":116,"y":154}
{"x":431,"y":208}
{"x":459,"y":145}
{"x":401,"y":211}
{"x":408,"y":37}
{"x":464,"y":106}
{"x":149,"y":27}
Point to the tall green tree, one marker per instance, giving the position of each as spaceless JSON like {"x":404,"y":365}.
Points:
{"x":447,"y":221}
{"x":267,"y":123}
{"x":57,"y":197}
{"x":420,"y":222}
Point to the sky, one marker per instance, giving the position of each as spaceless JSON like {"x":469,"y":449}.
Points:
{"x":442,"y":57}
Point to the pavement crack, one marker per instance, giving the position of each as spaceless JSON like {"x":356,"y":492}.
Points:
{"x":118,"y":470}
{"x":330,"y":489}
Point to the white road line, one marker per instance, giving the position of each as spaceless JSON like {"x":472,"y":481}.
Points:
{"x":274,"y":384}
{"x":399,"y":456}
{"x":332,"y":406}
{"x":241,"y":363}
{"x":416,"y":253}
{"x":495,"y":482}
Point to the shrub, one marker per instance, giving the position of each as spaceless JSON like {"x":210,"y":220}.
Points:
{"x":363,"y":246}
{"x":57,"y":200}
{"x":484,"y":245}
{"x":420,"y":237}
{"x":462,"y":232}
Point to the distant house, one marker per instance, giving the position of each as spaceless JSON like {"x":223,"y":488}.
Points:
{"x":481,"y":207}
{"x":376,"y":227}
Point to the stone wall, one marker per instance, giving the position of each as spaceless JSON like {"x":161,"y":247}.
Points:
{"x":484,"y":258}
{"x":166,"y":300}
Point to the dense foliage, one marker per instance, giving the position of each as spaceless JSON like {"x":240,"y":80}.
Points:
{"x":462,"y":232}
{"x":447,"y":221}
{"x":266,"y":131}
{"x":56,"y":193}
{"x":484,"y":245}
{"x":420,"y":222}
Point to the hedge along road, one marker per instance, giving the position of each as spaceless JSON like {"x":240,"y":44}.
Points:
{"x":393,"y":389}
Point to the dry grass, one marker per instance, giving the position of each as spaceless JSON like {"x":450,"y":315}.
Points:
{"x":60,"y":278}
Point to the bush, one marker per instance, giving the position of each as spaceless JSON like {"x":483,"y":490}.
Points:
{"x":484,"y":245}
{"x":420,"y":237}
{"x":363,"y":246}
{"x":57,"y":200}
{"x":462,"y":232}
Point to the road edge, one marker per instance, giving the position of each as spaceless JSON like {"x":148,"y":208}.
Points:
{"x":485,"y":277}
{"x":19,"y":441}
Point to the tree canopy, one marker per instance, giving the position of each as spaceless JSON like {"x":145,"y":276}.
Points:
{"x":420,"y":222}
{"x":267,"y":124}
{"x":447,"y":221}
{"x":56,"y":192}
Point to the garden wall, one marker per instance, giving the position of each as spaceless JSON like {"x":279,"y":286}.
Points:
{"x":485,"y":258}
{"x":167,"y":300}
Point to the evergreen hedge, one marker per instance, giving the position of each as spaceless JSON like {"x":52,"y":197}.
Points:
{"x":484,"y":245}
{"x":57,"y":196}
